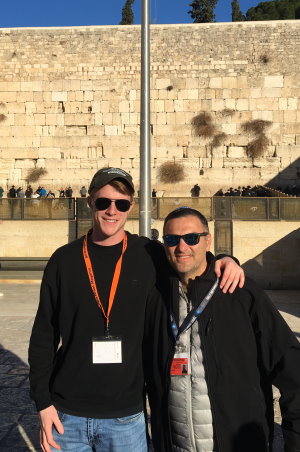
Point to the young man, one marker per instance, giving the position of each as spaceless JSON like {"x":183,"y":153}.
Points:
{"x":211,"y":373}
{"x":95,"y":291}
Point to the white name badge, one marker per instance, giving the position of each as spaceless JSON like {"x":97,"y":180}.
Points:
{"x":107,"y":351}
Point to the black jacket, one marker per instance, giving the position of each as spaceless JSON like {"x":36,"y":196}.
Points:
{"x":247,"y":347}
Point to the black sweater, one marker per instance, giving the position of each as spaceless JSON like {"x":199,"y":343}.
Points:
{"x":67,"y":378}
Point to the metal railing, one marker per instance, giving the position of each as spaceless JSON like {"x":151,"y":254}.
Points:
{"x":219,"y":208}
{"x":37,"y":209}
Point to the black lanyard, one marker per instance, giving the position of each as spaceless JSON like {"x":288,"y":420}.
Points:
{"x":193,"y":315}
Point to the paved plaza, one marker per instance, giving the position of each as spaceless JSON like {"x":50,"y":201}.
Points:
{"x":18,"y":303}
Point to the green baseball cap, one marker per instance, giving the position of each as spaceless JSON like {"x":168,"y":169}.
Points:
{"x":105,"y":175}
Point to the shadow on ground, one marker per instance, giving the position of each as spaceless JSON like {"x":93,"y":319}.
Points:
{"x":18,"y":417}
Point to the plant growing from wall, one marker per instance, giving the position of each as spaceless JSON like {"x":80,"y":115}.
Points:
{"x":35,"y":174}
{"x":218,"y":139}
{"x":171,"y":172}
{"x":259,"y":144}
{"x":203,"y":126}
{"x":2,"y":117}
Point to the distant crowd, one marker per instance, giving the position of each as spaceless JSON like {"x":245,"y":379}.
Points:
{"x":291,"y":190}
{"x":258,"y":191}
{"x":41,"y":192}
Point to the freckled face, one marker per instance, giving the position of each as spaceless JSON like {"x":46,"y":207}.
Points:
{"x":188,"y":261}
{"x":109,"y":223}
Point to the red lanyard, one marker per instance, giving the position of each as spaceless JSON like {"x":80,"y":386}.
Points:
{"x":115,"y":280}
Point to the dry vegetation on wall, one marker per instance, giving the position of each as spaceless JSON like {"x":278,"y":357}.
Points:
{"x":218,"y":139}
{"x":2,"y":117}
{"x":34,"y":174}
{"x":171,"y":173}
{"x":259,"y":144}
{"x":203,"y":126}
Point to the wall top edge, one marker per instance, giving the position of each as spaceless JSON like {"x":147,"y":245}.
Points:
{"x":270,"y":23}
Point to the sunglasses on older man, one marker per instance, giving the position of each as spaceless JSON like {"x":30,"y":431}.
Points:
{"x":190,"y":239}
{"x":123,"y":205}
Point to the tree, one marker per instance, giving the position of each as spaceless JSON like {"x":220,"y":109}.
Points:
{"x":127,"y":13}
{"x":203,"y":10}
{"x":275,"y":10}
{"x":236,"y":13}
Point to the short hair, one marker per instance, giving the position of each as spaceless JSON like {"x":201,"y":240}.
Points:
{"x":118,"y":185}
{"x":186,"y":212}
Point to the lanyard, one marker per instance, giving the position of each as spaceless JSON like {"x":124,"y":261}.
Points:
{"x":193,"y":315}
{"x":114,"y":283}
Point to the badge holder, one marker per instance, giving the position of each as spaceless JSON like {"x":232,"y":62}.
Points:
{"x":107,"y":349}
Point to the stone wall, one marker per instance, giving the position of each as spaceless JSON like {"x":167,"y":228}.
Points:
{"x":70,"y":103}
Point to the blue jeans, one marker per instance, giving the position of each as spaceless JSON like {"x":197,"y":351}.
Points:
{"x":125,"y":434}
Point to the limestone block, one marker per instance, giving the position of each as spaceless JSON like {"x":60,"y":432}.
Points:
{"x":23,"y":96}
{"x":285,"y":162}
{"x":36,"y":142}
{"x":192,"y":94}
{"x":59,"y":96}
{"x":10,"y":86}
{"x":162,"y":83}
{"x":88,"y":96}
{"x":98,"y":119}
{"x":49,"y":153}
{"x":298,"y":139}
{"x":197,"y":151}
{"x":215,"y":82}
{"x":169,"y":106}
{"x":255,"y":93}
{"x":35,"y":85}
{"x":79,"y":119}
{"x":266,"y":174}
{"x":278,"y":116}
{"x":8,"y":96}
{"x":170,"y":118}
{"x":217,"y":104}
{"x":237,"y":163}
{"x":14,"y":175}
{"x":217,"y":162}
{"x":15,"y":107}
{"x":131,"y":130}
{"x":72,"y":163}
{"x":242,"y":104}
{"x":273,"y":81}
{"x":267,"y":162}
{"x":284,"y":150}
{"x":229,"y":129}
{"x":290,"y":116}
{"x":5,"y":131}
{"x":271,"y":92}
{"x":124,"y":106}
{"x":22,"y":131}
{"x":92,"y":164}
{"x":229,"y":82}
{"x":112,"y":130}
{"x":264,"y":103}
{"x":24,"y":163}
{"x":40,"y":163}
{"x":96,"y":130}
{"x":39,"y":119}
{"x":242,"y":81}
{"x":6,"y":163}
{"x":236,"y":151}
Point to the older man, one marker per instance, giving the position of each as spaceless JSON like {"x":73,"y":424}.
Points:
{"x":210,"y":375}
{"x":95,"y":291}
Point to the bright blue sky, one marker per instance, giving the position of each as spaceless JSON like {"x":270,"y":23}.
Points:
{"x":39,"y":13}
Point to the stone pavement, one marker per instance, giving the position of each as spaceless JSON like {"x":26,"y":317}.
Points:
{"x":18,"y":303}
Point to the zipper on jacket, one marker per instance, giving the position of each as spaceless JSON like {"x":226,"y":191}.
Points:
{"x":212,"y":405}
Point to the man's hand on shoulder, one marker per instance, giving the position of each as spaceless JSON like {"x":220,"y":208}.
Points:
{"x":48,"y":418}
{"x":231,"y":274}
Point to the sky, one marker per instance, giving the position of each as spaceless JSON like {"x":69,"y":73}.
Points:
{"x":58,"y":13}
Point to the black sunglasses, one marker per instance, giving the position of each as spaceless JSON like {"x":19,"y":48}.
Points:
{"x":123,"y":205}
{"x":190,"y":239}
